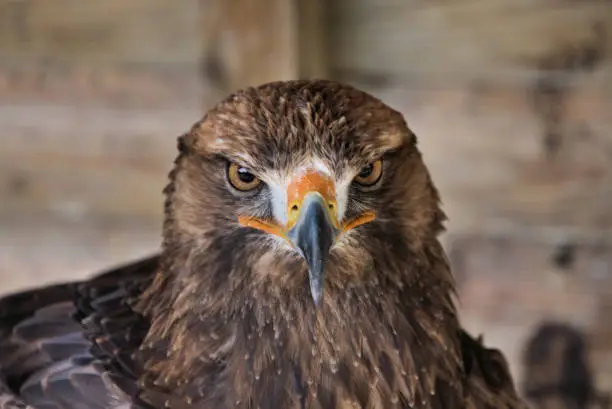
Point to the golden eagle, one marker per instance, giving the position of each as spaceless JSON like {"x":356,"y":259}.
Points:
{"x":300,"y":268}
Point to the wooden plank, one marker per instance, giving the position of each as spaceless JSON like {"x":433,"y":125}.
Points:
{"x":249,"y":42}
{"x":109,"y":31}
{"x":87,"y":163}
{"x":313,"y":44}
{"x":92,"y":98}
{"x":133,"y":52}
{"x":437,"y":42}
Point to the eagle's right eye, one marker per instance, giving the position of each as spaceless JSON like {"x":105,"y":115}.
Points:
{"x":241,"y":178}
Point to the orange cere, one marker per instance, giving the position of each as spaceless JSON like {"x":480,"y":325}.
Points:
{"x":310,"y":182}
{"x":314,"y":181}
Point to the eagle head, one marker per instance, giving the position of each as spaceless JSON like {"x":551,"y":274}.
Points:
{"x":299,"y":187}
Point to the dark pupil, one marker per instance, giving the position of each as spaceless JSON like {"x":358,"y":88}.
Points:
{"x":245,"y":176}
{"x":366,"y":171}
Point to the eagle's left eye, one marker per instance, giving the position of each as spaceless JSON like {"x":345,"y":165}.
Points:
{"x":370,"y":174}
{"x":241,"y":178}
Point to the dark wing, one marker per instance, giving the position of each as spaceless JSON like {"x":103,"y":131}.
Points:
{"x":489,"y":383}
{"x":70,"y":345}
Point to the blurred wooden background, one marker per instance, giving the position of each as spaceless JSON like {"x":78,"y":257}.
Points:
{"x":512,"y":101}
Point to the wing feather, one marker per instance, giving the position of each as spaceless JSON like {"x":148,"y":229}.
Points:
{"x":489,"y":382}
{"x":9,"y":400}
{"x":69,"y":346}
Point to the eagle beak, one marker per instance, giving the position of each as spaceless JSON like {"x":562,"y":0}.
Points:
{"x":312,"y":224}
{"x":313,"y":234}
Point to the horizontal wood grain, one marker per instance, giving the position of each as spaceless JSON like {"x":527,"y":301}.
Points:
{"x":442,"y":42}
{"x":99,"y":162}
{"x":126,"y":31}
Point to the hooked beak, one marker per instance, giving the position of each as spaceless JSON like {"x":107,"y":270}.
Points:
{"x":312,"y":227}
{"x":313,"y":234}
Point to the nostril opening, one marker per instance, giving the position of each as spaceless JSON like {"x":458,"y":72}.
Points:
{"x":331,"y":206}
{"x":294,"y":208}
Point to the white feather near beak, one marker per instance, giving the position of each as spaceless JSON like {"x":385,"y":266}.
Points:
{"x":279,"y":182}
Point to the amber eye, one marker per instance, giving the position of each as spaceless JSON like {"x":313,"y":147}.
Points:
{"x":370,"y":174}
{"x":241,"y":178}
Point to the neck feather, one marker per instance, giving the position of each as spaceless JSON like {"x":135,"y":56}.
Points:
{"x":226,"y":345}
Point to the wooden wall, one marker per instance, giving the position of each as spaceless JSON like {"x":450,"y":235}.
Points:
{"x":92,"y":98}
{"x":511,"y":101}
